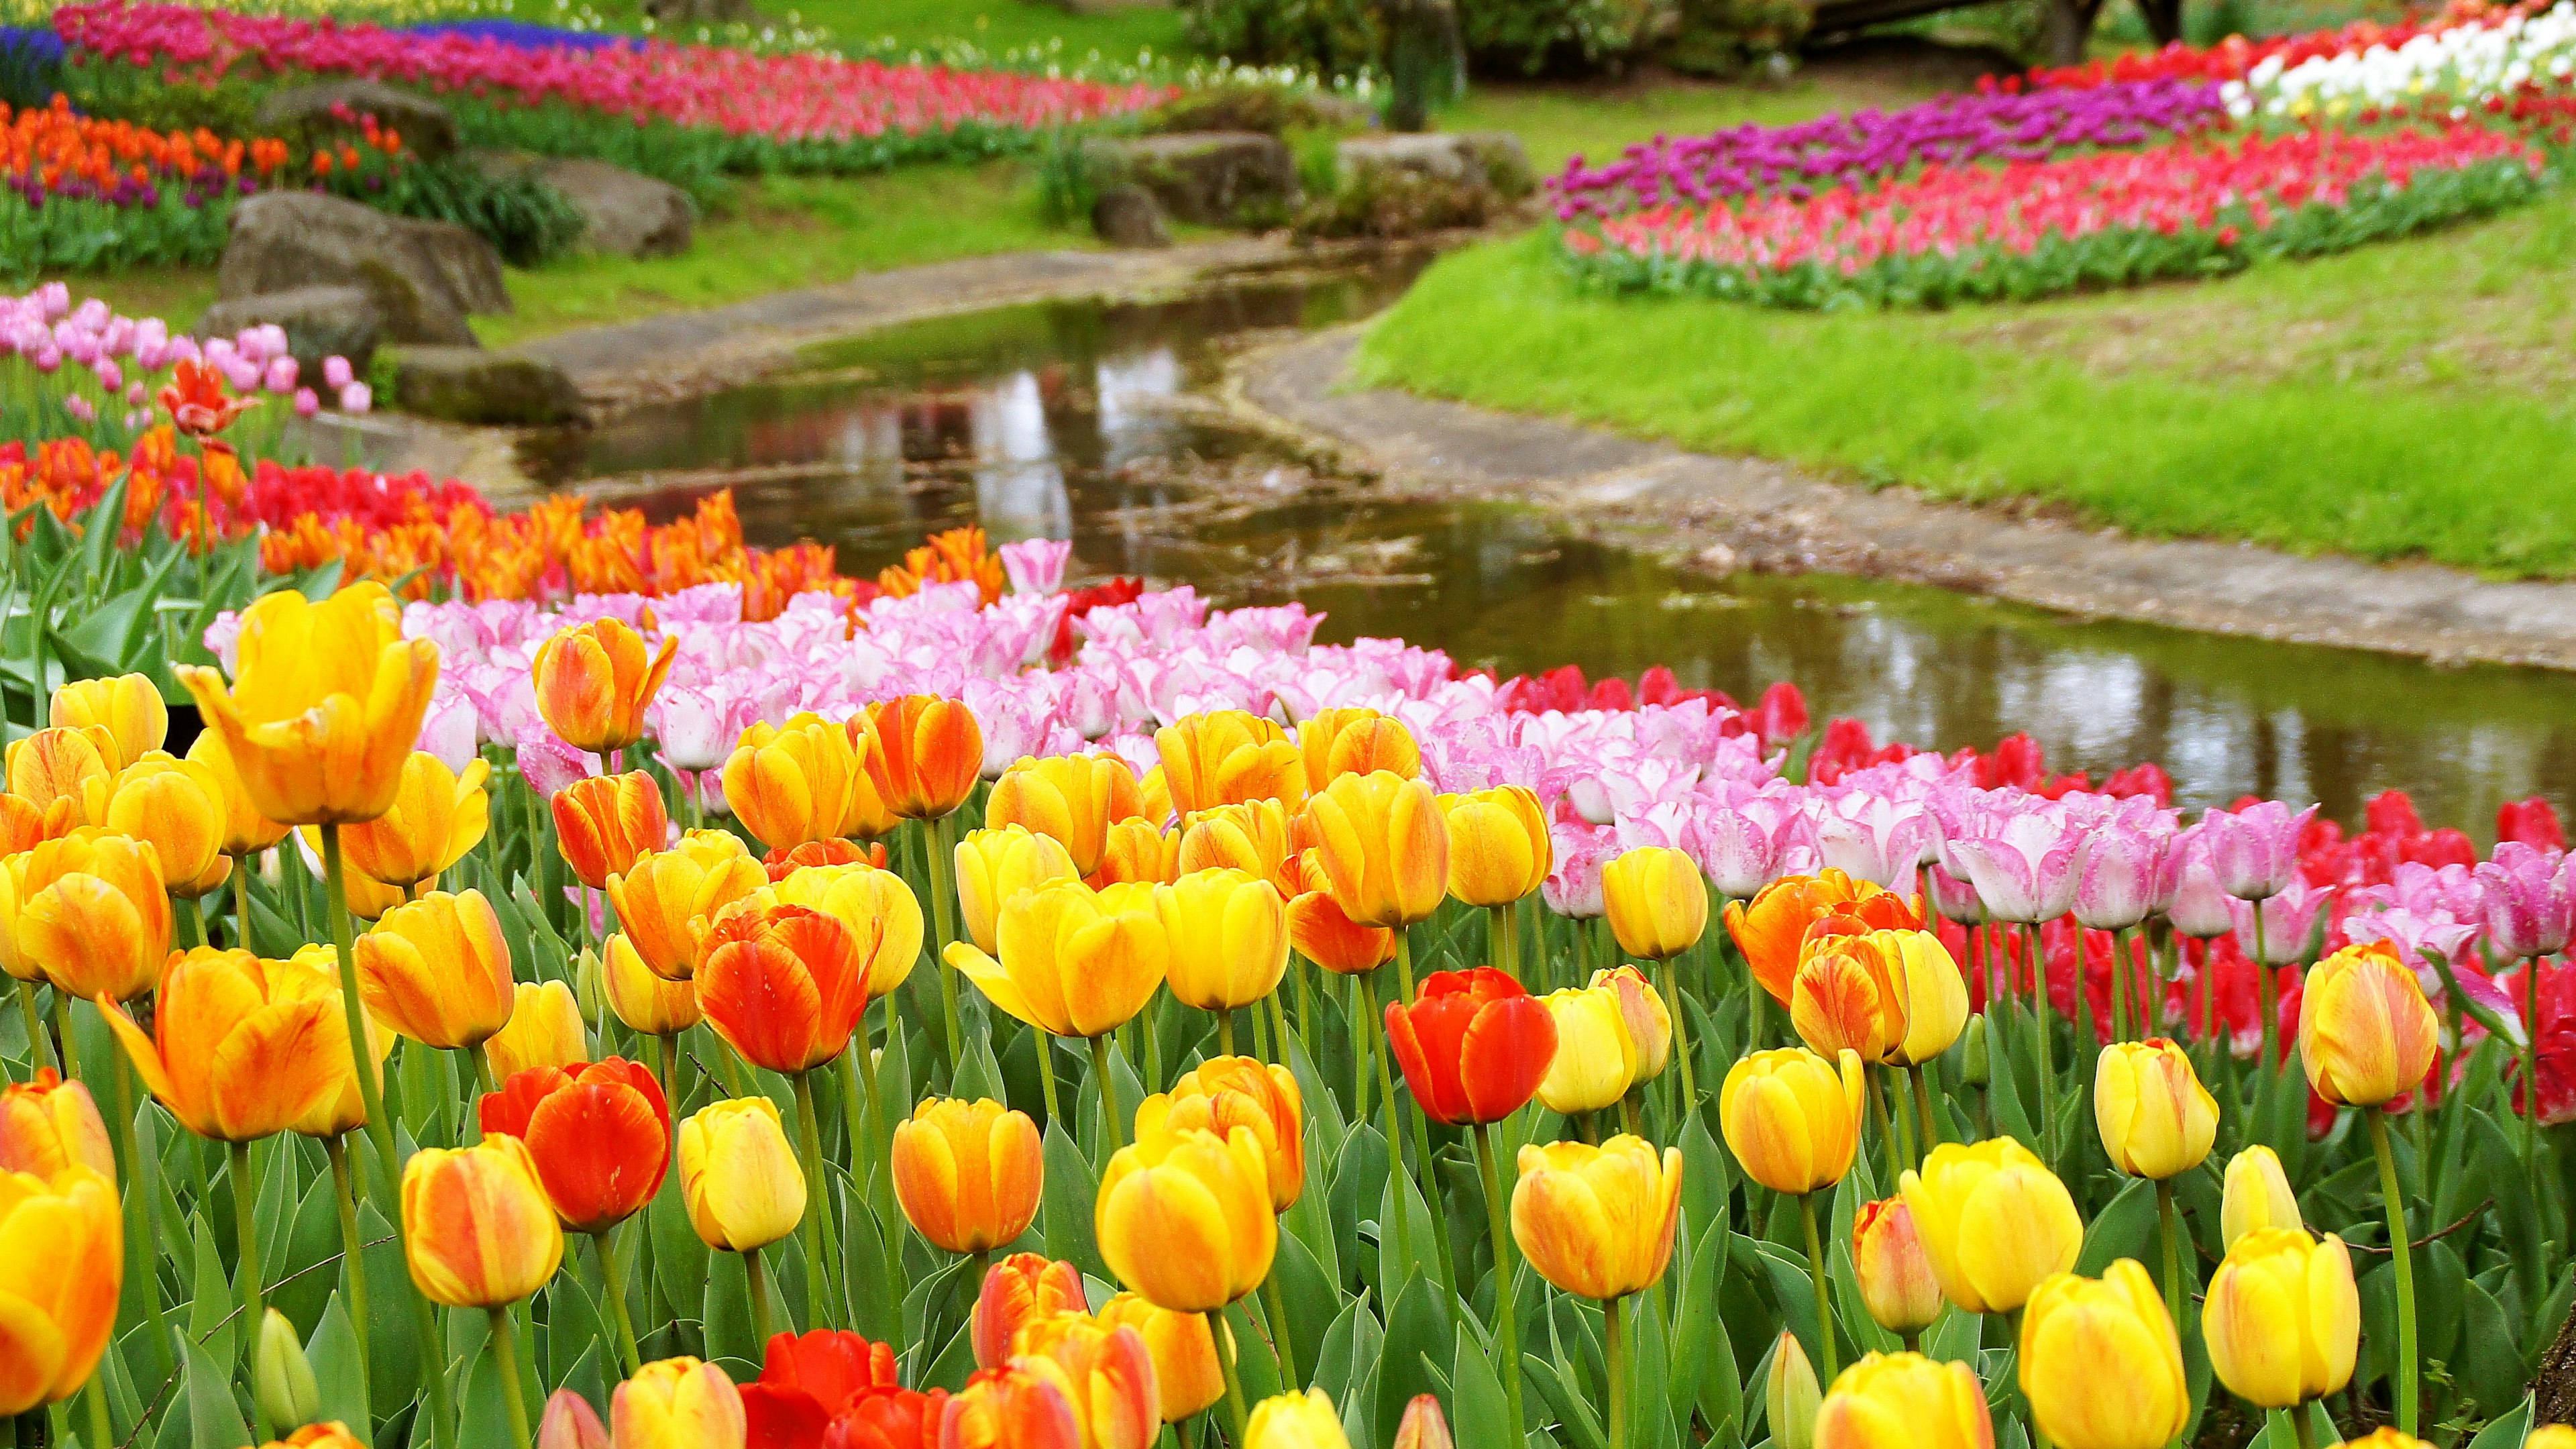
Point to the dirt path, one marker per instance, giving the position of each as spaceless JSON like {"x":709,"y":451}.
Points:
{"x":1722,"y":514}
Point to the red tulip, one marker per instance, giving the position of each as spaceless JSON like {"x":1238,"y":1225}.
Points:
{"x":1473,"y":1046}
{"x":889,"y":1418}
{"x":784,"y":986}
{"x":1019,"y":1289}
{"x":829,"y":1367}
{"x":599,"y":1131}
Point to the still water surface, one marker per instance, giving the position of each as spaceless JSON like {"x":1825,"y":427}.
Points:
{"x":1074,"y":421}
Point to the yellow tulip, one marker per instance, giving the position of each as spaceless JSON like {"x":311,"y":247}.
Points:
{"x":738,"y":1176}
{"x":1657,"y":901}
{"x":1355,"y":741}
{"x":2387,"y":1436}
{"x":1073,"y":799}
{"x":62,"y":1261}
{"x":1221,"y":1094}
{"x":1074,"y":962}
{"x":1137,"y":849}
{"x":478,"y":1228}
{"x":793,"y":784}
{"x":1598,"y":1221}
{"x":1792,"y":1118}
{"x":1650,"y":1024}
{"x":644,"y":1001}
{"x":2551,"y":1436}
{"x":2156,"y":1119}
{"x":240,"y":1047}
{"x":968,"y":1174}
{"x":128,"y":707}
{"x":87,"y":913}
{"x":346,"y":1110}
{"x":1897,"y":1284}
{"x":2100,"y":1364}
{"x":2366,"y":1033}
{"x":995,"y":865}
{"x":437,"y":970}
{"x":677,"y":1403}
{"x":1499,"y":847}
{"x":2257,"y":1196}
{"x":246,"y":831}
{"x":177,"y":805}
{"x":2282,"y":1318}
{"x":1384,"y":847}
{"x":1995,"y":1220}
{"x":53,"y":768}
{"x":1905,"y":1401}
{"x":879,"y":910}
{"x":437,"y":815}
{"x":1187,"y":1376}
{"x":1228,"y":933}
{"x":545,"y":1030}
{"x":1184,"y":1217}
{"x":1295,"y":1421}
{"x":1896,"y":997}
{"x":1227,"y":755}
{"x":692,"y":881}
{"x":1596,"y":1059}
{"x":593,"y":681}
{"x":48,"y":1124}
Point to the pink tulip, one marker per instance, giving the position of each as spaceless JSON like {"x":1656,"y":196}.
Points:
{"x":2530,"y":899}
{"x":1870,"y":837}
{"x":571,"y":1423}
{"x":1574,"y":889}
{"x":1740,"y":844}
{"x":2121,"y":870}
{"x":335,"y":372}
{"x":2254,"y":851}
{"x":1036,"y":566}
{"x":2289,"y":924}
{"x":2197,"y":906}
{"x":306,"y":404}
{"x":2020,"y":852}
{"x":550,"y":764}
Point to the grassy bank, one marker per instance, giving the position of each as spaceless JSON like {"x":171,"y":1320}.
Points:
{"x":2406,"y":400}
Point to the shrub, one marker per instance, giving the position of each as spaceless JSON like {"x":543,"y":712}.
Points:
{"x":1384,"y":201}
{"x":1733,"y":37}
{"x":1332,"y":37}
{"x":524,"y":219}
{"x":1528,"y":37}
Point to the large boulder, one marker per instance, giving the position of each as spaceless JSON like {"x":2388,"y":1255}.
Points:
{"x":1128,"y":216}
{"x":1461,"y":158}
{"x":623,"y":214}
{"x":320,"y":322}
{"x":470,"y":385}
{"x":427,"y":277}
{"x":327,"y":107}
{"x":1214,"y":178}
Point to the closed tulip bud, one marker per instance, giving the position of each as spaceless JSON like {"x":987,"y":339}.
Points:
{"x":56,"y":767}
{"x":1137,"y":850}
{"x":1499,"y":846}
{"x":794,"y":784}
{"x":1223,"y":1093}
{"x":1187,"y":1376}
{"x":1473,"y":1045}
{"x":281,"y":1376}
{"x":345,"y":1110}
{"x":2366,"y":1034}
{"x":571,"y":1423}
{"x":1790,"y":1398}
{"x":599,"y":1133}
{"x":968,"y":1174}
{"x":880,"y":911}
{"x":1226,"y":756}
{"x":62,"y":1261}
{"x":1073,"y":799}
{"x":1905,"y":1401}
{"x":1255,"y":837}
{"x":926,"y":754}
{"x":1897,"y":1284}
{"x":477,"y":1224}
{"x":2156,"y":1119}
{"x":593,"y":681}
{"x":1011,"y":1408}
{"x":783,"y":985}
{"x":1974,"y":1068}
{"x":1355,"y":741}
{"x":696,"y":879}
{"x":325,"y":705}
{"x":1995,"y":1221}
{"x":606,"y":824}
{"x":1657,"y":901}
{"x":545,"y":1030}
{"x":1895,"y":997}
{"x":1650,"y":1024}
{"x":1596,"y":1060}
{"x":1296,"y":1421}
{"x":177,"y":806}
{"x":678,"y":1403}
{"x":437,"y":970}
{"x":2551,"y":1436}
{"x":1228,"y":932}
{"x":240,"y":1047}
{"x":2100,"y":1363}
{"x":128,"y":707}
{"x":246,"y":831}
{"x":331,"y":1434}
{"x":1074,"y":962}
{"x":1022,"y":1287}
{"x":643,"y":1001}
{"x":1792,"y":1118}
{"x":2387,"y":1436}
{"x":1332,"y":940}
{"x":1771,"y":930}
{"x":1104,"y":1371}
{"x":2257,"y":1196}
{"x":2282,"y":1318}
{"x":436,"y":816}
{"x":995,"y":865}
{"x":1423,"y":1426}
{"x":1184,"y":1217}
{"x":1598,"y":1221}
{"x":50,"y":1124}
{"x":87,"y":913}
{"x":738,"y":1175}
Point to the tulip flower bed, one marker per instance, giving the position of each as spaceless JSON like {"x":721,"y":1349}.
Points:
{"x":2237,"y":56}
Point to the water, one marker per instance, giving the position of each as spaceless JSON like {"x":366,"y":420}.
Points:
{"x":1079,"y":420}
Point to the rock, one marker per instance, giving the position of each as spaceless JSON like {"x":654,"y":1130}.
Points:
{"x":320,"y":322}
{"x":1466,"y":158}
{"x":470,"y":385}
{"x":426,"y":276}
{"x":623,"y":214}
{"x":1128,"y":216}
{"x":1214,"y":178}
{"x":427,"y":130}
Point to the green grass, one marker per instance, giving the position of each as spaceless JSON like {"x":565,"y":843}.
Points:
{"x":2409,"y":400}
{"x":1597,"y":120}
{"x":993,"y":25}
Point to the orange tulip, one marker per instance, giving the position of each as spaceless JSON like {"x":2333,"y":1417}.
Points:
{"x":477,"y":1225}
{"x":1137,"y":849}
{"x":545,"y":1030}
{"x":87,"y":913}
{"x":177,"y":805}
{"x":1020,"y":1289}
{"x":329,"y":1434}
{"x":246,"y":831}
{"x":2366,"y":1034}
{"x":1252,"y":837}
{"x":925,"y":754}
{"x":1226,"y":756}
{"x":968,"y":1174}
{"x":1104,"y":1371}
{"x":593,"y":681}
{"x":1773,"y":929}
{"x":50,"y":1124}
{"x":1011,"y":1408}
{"x":53,"y":766}
{"x":1073,"y":798}
{"x":641,"y":999}
{"x":783,"y":985}
{"x":437,"y":815}
{"x":1355,"y":741}
{"x":128,"y":707}
{"x":793,"y":785}
{"x":607,"y":823}
{"x":1423,"y":1426}
{"x":1187,"y":1376}
{"x":62,"y":1261}
{"x":1895,"y":997}
{"x":437,"y":970}
{"x":346,"y":1110}
{"x":1323,"y":935}
{"x":695,"y":879}
{"x":1499,"y":848}
{"x":598,"y":1132}
{"x":1223,"y":1093}
{"x":877,"y":907}
{"x":240,"y":1047}
{"x":1383,"y":846}
{"x":24,"y":825}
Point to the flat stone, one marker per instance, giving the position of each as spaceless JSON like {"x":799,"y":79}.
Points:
{"x":1463,"y":158}
{"x":623,"y":214}
{"x":470,"y":385}
{"x":426,"y":276}
{"x":1213,"y":178}
{"x":320,"y":322}
{"x":427,"y":130}
{"x":1128,"y":216}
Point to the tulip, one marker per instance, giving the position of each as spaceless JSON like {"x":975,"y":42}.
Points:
{"x":1224,"y":1093}
{"x":1105,"y":1373}
{"x":1598,"y":1221}
{"x":2551,"y":1436}
{"x":1792,"y":1117}
{"x":593,"y":681}
{"x":1137,"y":849}
{"x":1355,"y":741}
{"x":607,"y":823}
{"x":1323,"y":935}
{"x":1229,"y":940}
{"x":49,"y":1125}
{"x":1184,"y":1218}
{"x":346,"y":1110}
{"x":1596,"y":1060}
{"x":175,"y":805}
{"x":1073,"y":962}
{"x":968,"y":1174}
{"x":2278,"y":931}
{"x":2257,"y":1196}
{"x":784,"y":986}
{"x":995,"y":865}
{"x":331,"y":1434}
{"x":1252,"y":837}
{"x":2255,"y":851}
{"x":1790,"y":1398}
{"x":1499,"y":847}
{"x":281,"y":1376}
{"x":128,"y":707}
{"x":1895,"y":997}
{"x":1188,"y":1378}
{"x":1225,"y":756}
{"x":2157,"y":1121}
{"x":2282,"y":1318}
{"x":2122,"y":869}
{"x":88,"y":913}
{"x":2387,"y":1436}
{"x":54,"y":769}
{"x":1897,"y":1284}
{"x":23,"y":826}
{"x":642,"y":1000}
{"x":1772,"y":929}
{"x":62,"y":1260}
{"x":925,"y":754}
{"x":2100,"y":1362}
{"x":1474,"y":1046}
{"x":678,"y":1403}
{"x":437,"y":970}
{"x":599,"y":1133}
{"x":1021,"y":1288}
{"x":1383,"y":845}
{"x":325,"y":706}
{"x":1649,"y":1023}
{"x":875,"y":905}
{"x":707,"y":871}
{"x":1423,"y":1427}
{"x":2021,"y":858}
{"x":1011,"y":1408}
{"x":571,"y":1423}
{"x":829,"y":1368}
{"x":1656,"y":900}
{"x":739,"y":1176}
{"x":1905,"y":1401}
{"x":479,"y":1231}
{"x":436,"y":817}
{"x":1995,"y":1221}
{"x":2366,"y":1034}
{"x":545,"y":1030}
{"x":794,"y":784}
{"x":1296,"y":1421}
{"x":1074,"y":799}
{"x":246,"y":831}
{"x":795,"y":860}
{"x":240,"y":1047}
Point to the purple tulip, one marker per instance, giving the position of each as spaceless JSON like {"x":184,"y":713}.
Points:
{"x":2530,"y":899}
{"x":2255,"y":851}
{"x":2019,"y":851}
{"x":2289,"y":923}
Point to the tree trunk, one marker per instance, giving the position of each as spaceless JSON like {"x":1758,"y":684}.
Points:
{"x":2070,"y":25}
{"x":2163,"y":18}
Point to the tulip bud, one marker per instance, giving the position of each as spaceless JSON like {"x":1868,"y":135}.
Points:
{"x":969,"y":1175}
{"x":544,"y":1031}
{"x":1229,"y":937}
{"x":571,"y":1423}
{"x":1022,"y":1287}
{"x":1897,"y":1284}
{"x":1598,"y":1221}
{"x":2366,"y":1033}
{"x":641,"y":998}
{"x":2100,"y":1363}
{"x":1596,"y":1060}
{"x":738,"y":1176}
{"x":1657,"y":901}
{"x":1355,"y":741}
{"x":593,"y":681}
{"x":1423,"y":1427}
{"x":50,"y":1124}
{"x":2257,"y":1195}
{"x":1790,"y":1397}
{"x":792,"y":784}
{"x":2156,"y":1119}
{"x":924,"y":754}
{"x":605,"y":824}
{"x":2282,"y":1318}
{"x":1499,"y":846}
{"x":1792,"y":1118}
{"x":1104,"y":1371}
{"x":478,"y":1227}
{"x":1383,"y":846}
{"x":1977,"y":1070}
{"x":1905,"y":1401}
{"x":1650,"y":1023}
{"x":1994,"y":1220}
{"x":282,"y":1376}
{"x":1296,"y":1421}
{"x":1184,"y":1217}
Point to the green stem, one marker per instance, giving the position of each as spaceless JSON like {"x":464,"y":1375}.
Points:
{"x":1681,"y":1033}
{"x":1305,"y":1007}
{"x":821,"y":1249}
{"x":352,"y":1247}
{"x":1363,"y":1030}
{"x":1279,"y":1020}
{"x":1153,"y":1050}
{"x":1108,"y":1092}
{"x":2299,"y":1429}
{"x":192,"y":926}
{"x":1615,"y":1332}
{"x":65,"y":1044}
{"x":943,"y":908}
{"x":670,"y":1042}
{"x":505,"y":1348}
{"x":2531,"y":1065}
{"x":612,"y":1275}
{"x":1906,"y":1155}
{"x":1923,"y":1100}
{"x":1886,"y":1130}
{"x":2041,"y":1011}
{"x":1225,"y":1033}
{"x":96,"y":1392}
{"x":1404,"y":961}
{"x":859,"y":1066}
{"x":1824,"y":1303}
{"x":2265,"y":986}
{"x":1233,"y":1376}
{"x":246,"y":1234}
{"x":1371,"y":1026}
{"x":143,"y":1170}
{"x":1505,"y":941}
{"x":1498,"y":1218}
{"x":2171,"y":1222}
{"x":1278,"y":1300}
{"x":761,"y":1318}
{"x":2400,"y":1250}
{"x":480,"y":1055}
{"x":40,"y":1050}
{"x":1046,"y":1081}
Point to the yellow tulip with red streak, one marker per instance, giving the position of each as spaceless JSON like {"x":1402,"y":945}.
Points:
{"x":593,"y":681}
{"x":1073,"y":962}
{"x":128,"y":707}
{"x":1072,"y":799}
{"x":240,"y":1047}
{"x":1383,"y":845}
{"x":478,"y":1227}
{"x":62,"y":1262}
{"x":2100,"y":1364}
{"x":1598,"y":1222}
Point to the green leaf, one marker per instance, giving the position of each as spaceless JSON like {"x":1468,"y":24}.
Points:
{"x":725,"y":1308}
{"x":214,"y":1419}
{"x":1066,"y":1206}
{"x":1311,"y":1299}
{"x":679,"y":1255}
{"x":2125,"y":1229}
{"x":1479,"y":1411}
{"x":334,"y":1352}
{"x":482,"y":1414}
{"x":1417,"y":1334}
{"x":1578,"y":1423}
{"x":2506,"y":1431}
{"x":2490,"y":1365}
{"x":1346,"y":1363}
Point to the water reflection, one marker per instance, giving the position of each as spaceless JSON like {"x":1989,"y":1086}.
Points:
{"x":1064,"y":421}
